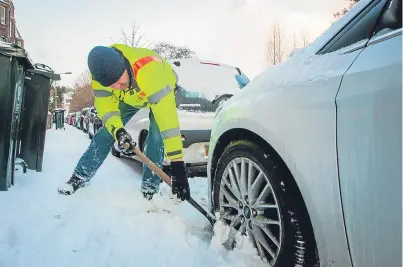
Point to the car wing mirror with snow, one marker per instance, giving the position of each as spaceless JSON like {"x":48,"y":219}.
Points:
{"x":242,"y":80}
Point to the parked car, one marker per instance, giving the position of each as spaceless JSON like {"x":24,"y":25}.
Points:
{"x":94,"y":122}
{"x":84,"y":119}
{"x":199,"y":83}
{"x":306,"y":159}
{"x":71,"y":118}
{"x":77,"y":120}
{"x":214,"y":80}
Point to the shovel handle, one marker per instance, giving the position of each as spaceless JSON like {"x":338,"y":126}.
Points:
{"x":143,"y":158}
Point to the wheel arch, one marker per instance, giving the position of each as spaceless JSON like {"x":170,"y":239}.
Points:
{"x":236,"y":134}
{"x":221,"y":97}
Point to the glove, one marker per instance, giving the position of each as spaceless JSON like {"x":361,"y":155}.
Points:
{"x":179,"y":180}
{"x":124,"y":139}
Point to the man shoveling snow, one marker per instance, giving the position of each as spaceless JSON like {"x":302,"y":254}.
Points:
{"x":126,"y":79}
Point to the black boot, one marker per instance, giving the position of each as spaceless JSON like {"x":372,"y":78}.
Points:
{"x":148,"y":196}
{"x":71,"y":186}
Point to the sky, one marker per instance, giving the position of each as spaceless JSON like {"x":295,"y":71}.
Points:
{"x":235,"y":32}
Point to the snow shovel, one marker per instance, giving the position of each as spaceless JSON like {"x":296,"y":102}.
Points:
{"x":167,"y":180}
{"x":230,"y":242}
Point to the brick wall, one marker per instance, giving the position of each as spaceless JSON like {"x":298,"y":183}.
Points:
{"x":8,"y":30}
{"x":4,"y":19}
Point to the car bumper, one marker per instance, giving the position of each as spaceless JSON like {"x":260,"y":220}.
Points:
{"x":195,"y":153}
{"x":216,"y":131}
{"x":195,"y":159}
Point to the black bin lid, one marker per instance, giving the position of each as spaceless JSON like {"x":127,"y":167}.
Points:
{"x":12,"y":50}
{"x":46,"y":71}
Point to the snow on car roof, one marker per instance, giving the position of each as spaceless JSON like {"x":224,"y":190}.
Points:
{"x":206,"y":77}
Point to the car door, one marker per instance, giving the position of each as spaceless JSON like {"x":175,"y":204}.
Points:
{"x":293,"y":106}
{"x":369,"y":142}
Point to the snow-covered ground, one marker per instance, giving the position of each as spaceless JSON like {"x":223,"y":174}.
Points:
{"x":105,"y":223}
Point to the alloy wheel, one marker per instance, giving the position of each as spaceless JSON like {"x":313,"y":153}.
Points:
{"x":247,"y":194}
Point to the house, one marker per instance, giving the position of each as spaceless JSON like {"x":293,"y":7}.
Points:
{"x":8,"y":27}
{"x":67,"y":101}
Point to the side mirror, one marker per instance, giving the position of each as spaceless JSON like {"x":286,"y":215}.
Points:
{"x":242,"y":80}
{"x":393,"y":14}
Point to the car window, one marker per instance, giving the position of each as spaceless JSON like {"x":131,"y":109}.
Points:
{"x":360,"y":28}
{"x":391,"y":18}
{"x":192,"y":101}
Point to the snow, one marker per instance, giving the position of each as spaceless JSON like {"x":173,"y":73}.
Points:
{"x":211,"y":79}
{"x":303,"y":68}
{"x":106,"y":223}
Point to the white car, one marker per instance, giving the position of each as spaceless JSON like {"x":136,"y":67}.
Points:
{"x":202,"y":86}
{"x":307,"y":159}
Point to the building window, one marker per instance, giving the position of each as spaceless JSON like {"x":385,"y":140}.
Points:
{"x":3,"y":15}
{"x":19,"y":43}
{"x":3,"y":38}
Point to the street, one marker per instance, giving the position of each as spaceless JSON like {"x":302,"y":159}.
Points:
{"x":105,"y":223}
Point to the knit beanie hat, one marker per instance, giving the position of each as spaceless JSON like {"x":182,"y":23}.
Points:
{"x":106,"y":65}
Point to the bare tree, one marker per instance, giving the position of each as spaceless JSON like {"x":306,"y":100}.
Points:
{"x":305,"y":41}
{"x":133,"y":38}
{"x":83,"y":95}
{"x":341,"y":13}
{"x":83,"y":79}
{"x":170,"y":51}
{"x":276,"y":45}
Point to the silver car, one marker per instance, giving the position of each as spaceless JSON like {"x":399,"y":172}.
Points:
{"x":306,"y":159}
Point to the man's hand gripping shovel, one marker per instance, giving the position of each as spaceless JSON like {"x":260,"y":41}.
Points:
{"x":230,"y":242}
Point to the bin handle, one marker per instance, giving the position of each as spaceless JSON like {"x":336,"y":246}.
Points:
{"x":44,"y":67}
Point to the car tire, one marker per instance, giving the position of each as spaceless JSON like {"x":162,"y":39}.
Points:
{"x":293,"y":243}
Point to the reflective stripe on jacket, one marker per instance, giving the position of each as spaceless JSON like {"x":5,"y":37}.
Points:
{"x":153,"y":87}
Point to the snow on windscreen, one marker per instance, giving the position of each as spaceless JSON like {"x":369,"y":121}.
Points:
{"x":206,"y":78}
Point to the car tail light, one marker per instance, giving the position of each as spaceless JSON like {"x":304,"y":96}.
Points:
{"x":209,"y":63}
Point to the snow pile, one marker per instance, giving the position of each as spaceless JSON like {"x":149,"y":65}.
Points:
{"x":106,"y":223}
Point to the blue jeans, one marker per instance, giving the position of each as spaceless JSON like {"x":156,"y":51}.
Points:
{"x":103,"y":141}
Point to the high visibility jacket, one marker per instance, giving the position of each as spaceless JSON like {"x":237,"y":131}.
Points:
{"x":153,"y":86}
